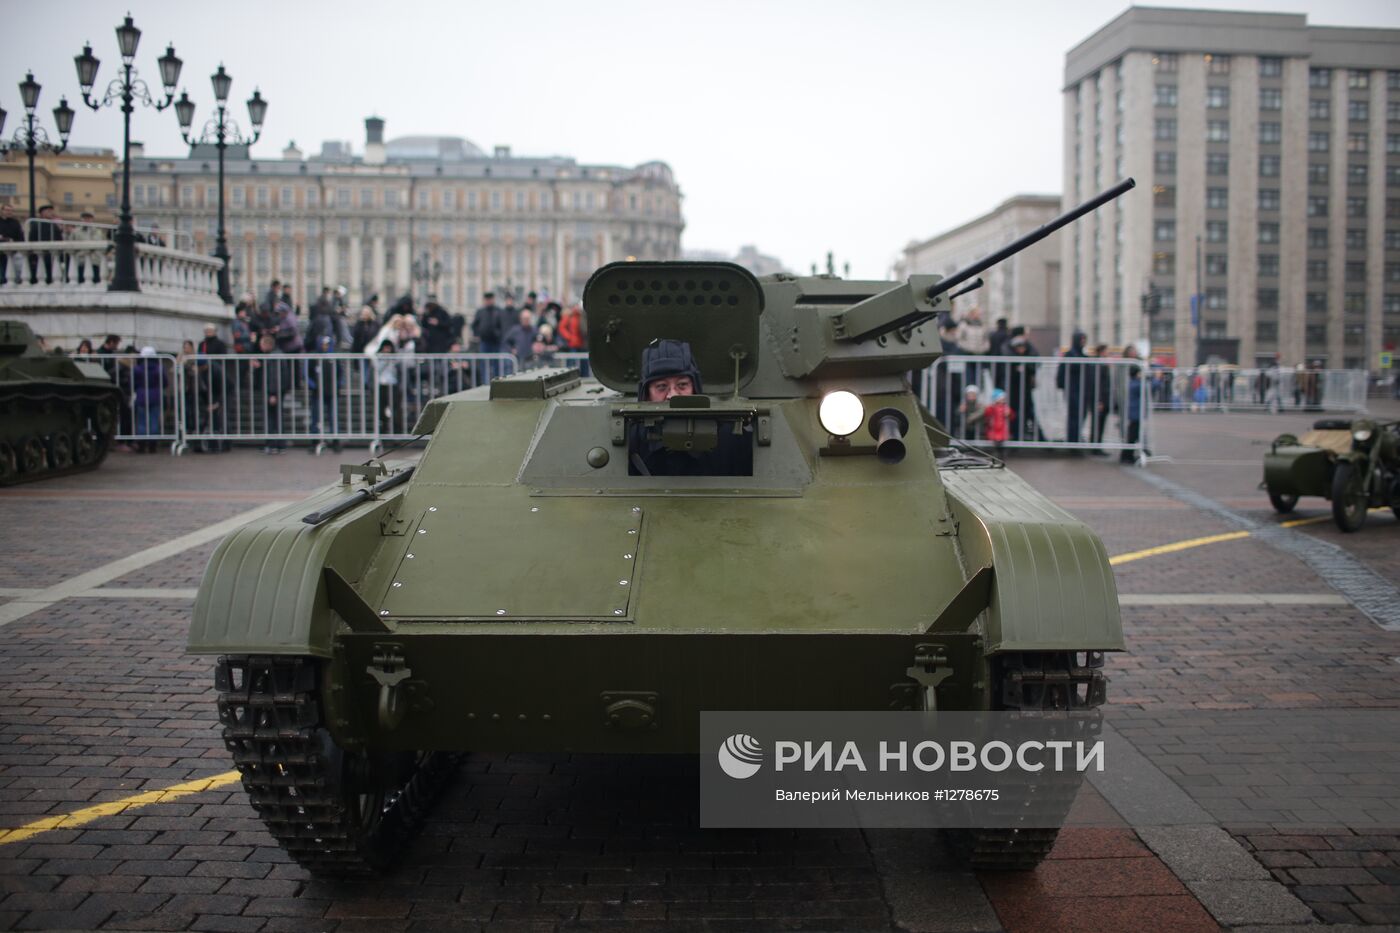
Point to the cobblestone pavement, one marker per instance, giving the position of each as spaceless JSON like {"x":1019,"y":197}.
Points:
{"x":98,"y":703}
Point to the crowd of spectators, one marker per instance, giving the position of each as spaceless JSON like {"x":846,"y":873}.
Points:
{"x":1090,"y":392}
{"x":283,"y":387}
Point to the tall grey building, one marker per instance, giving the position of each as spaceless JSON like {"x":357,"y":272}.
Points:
{"x":1267,"y":155}
{"x":426,"y":213}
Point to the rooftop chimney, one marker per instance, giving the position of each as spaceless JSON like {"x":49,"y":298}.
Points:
{"x":374,"y":141}
{"x":292,"y":153}
{"x":138,"y":150}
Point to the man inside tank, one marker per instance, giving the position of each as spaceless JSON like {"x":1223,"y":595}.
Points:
{"x":668,"y":370}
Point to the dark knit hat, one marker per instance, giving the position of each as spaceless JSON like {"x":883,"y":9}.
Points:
{"x":667,"y":358}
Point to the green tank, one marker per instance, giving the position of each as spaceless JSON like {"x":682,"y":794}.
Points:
{"x":57,"y":415}
{"x":532,"y":584}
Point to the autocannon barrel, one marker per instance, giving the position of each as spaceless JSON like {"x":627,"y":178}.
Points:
{"x":1030,"y":239}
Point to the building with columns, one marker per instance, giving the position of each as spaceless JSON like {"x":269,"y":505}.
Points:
{"x":421,"y":214}
{"x":1024,"y":289}
{"x":1267,"y":156}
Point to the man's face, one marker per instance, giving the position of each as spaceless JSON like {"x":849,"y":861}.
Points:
{"x":659,"y":390}
{"x":46,"y":213}
{"x":6,"y":211}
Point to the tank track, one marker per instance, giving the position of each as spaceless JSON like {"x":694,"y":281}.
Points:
{"x":325,"y":806}
{"x":62,"y":452}
{"x":1059,"y":680}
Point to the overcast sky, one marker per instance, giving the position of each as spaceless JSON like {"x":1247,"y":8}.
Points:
{"x":796,"y":126}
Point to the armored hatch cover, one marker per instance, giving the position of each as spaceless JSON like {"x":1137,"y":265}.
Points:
{"x":713,"y":306}
{"x":436,"y":578}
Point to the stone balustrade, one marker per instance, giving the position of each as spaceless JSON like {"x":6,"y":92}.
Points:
{"x":77,"y":267}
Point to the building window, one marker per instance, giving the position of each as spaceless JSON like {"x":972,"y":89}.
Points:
{"x":1357,"y":173}
{"x":1356,"y":207}
{"x":1359,"y":110}
{"x":1217,"y":264}
{"x":1354,"y":302}
{"x":1317,"y":302}
{"x":1217,"y":231}
{"x":1162,"y":331}
{"x":1356,"y":238}
{"x":1358,"y":80}
{"x":313,"y":197}
{"x":1215,"y":299}
{"x":495,"y":200}
{"x":1267,"y":299}
{"x":1217,"y":64}
{"x":1392,"y":208}
{"x":1217,"y":198}
{"x":1268,"y":199}
{"x":1316,"y":334}
{"x":1163,"y":163}
{"x":1392,"y":143}
{"x":1318,"y":173}
{"x":1164,"y":61}
{"x":1268,"y":265}
{"x":1391,"y":304}
{"x":1164,"y":231}
{"x":1356,"y":272}
{"x":1356,"y":142}
{"x":366,"y":197}
{"x":1317,"y":238}
{"x":342,"y":197}
{"x":391,"y":197}
{"x":1317,"y":205}
{"x":237,"y":196}
{"x":1217,"y":163}
{"x":1166,"y":129}
{"x":1268,"y":233}
{"x":1392,"y":272}
{"x":1317,"y":270}
{"x":1164,"y":195}
{"x":1270,"y":67}
{"x":1165,"y":95}
{"x":1218,"y":131}
{"x":262,"y":196}
{"x":1269,"y":166}
{"x":1164,"y":264}
{"x":1266,"y":331}
{"x":1319,"y":142}
{"x":1392,"y":111}
{"x":520,"y":200}
{"x":1392,"y":80}
{"x":1270,"y":132}
{"x":1218,"y":97}
{"x":1319,"y":77}
{"x":1319,"y":108}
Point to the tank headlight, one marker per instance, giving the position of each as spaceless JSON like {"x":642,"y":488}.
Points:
{"x":841,"y":413}
{"x":1363,"y":435}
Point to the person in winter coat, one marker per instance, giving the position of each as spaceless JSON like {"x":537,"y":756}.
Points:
{"x":487,"y":325}
{"x":997,"y":417}
{"x":520,"y":339}
{"x":971,"y":412}
{"x":437,"y":328}
{"x":148,"y":394}
{"x":364,"y":330}
{"x":1077,"y":385}
{"x":571,"y":336}
{"x":1132,"y":414}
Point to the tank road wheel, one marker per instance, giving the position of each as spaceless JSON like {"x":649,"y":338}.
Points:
{"x":1034,"y":680}
{"x":1348,"y":497}
{"x":339,"y":813}
{"x":1283,"y":502}
{"x":86,"y":448}
{"x":9,"y":464}
{"x":104,"y":419}
{"x":31,"y":455}
{"x":60,"y":450}
{"x":1395,"y":496}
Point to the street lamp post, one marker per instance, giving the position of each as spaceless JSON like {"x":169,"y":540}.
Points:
{"x":221,"y":131}
{"x":127,"y":89}
{"x":427,"y":273}
{"x":31,"y":137}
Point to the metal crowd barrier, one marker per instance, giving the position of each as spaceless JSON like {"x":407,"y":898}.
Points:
{"x":151,"y":395}
{"x":215,"y":400}
{"x":1222,"y":389}
{"x":1050,"y":402}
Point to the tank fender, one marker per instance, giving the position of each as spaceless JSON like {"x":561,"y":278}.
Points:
{"x":265,"y":589}
{"x":1052,"y":587}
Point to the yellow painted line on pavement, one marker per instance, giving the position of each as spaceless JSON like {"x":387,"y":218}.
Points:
{"x":1176,"y":546}
{"x":1294,"y":523}
{"x":113,"y":807}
